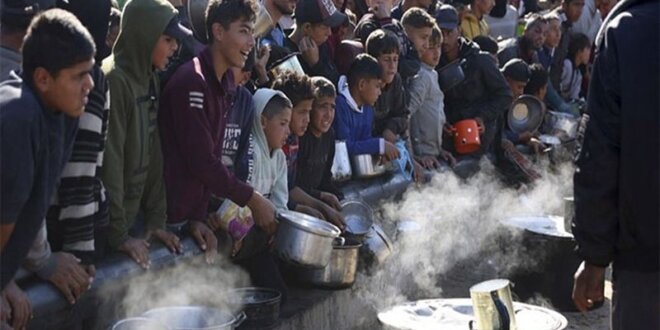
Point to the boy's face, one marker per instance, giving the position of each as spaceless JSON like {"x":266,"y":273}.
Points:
{"x":68,"y":91}
{"x":419,"y":37}
{"x":431,"y":55}
{"x":369,"y":90}
{"x":541,"y":93}
{"x":389,"y":63}
{"x":537,"y":34}
{"x":573,"y":10}
{"x":164,"y":49}
{"x":300,"y":117}
{"x":276,"y":128}
{"x":517,"y":87}
{"x":553,"y":36}
{"x":319,"y":33}
{"x":236,"y":42}
{"x":322,"y":115}
{"x":584,"y":55}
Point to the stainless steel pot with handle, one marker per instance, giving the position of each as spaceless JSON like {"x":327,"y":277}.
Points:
{"x":367,"y":166}
{"x":376,"y":247}
{"x":139,"y":323}
{"x":340,"y":271}
{"x":304,"y":240}
{"x":195,"y":317}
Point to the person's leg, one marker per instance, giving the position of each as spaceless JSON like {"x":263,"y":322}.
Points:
{"x":265,"y":272}
{"x":635,"y":300}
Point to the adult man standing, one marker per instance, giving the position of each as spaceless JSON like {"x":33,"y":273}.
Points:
{"x":617,"y":182}
{"x":484,"y":94}
{"x":525,"y":47}
{"x":277,"y":9}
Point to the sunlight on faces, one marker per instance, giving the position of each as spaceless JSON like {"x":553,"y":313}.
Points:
{"x":369,"y":90}
{"x":431,"y":56}
{"x":553,"y":36}
{"x":276,"y":128}
{"x":537,"y":34}
{"x":419,"y":37}
{"x":449,"y":40}
{"x":300,"y":117}
{"x":322,"y":116}
{"x":68,"y":90}
{"x":389,"y":64}
{"x":236,"y":42}
{"x":164,"y":49}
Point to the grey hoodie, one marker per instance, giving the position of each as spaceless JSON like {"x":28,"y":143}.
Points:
{"x":269,"y":176}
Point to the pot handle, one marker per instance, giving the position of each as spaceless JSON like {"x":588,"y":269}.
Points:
{"x":505,"y":318}
{"x":339,"y":241}
{"x":240,"y":318}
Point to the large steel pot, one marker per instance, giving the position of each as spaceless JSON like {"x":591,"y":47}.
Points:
{"x":260,"y":305}
{"x":367,"y":166}
{"x":339,"y":273}
{"x":376,"y":247}
{"x":304,"y":240}
{"x":195,"y":317}
{"x":139,"y":323}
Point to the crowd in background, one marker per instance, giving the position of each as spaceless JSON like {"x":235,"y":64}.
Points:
{"x":190,"y":128}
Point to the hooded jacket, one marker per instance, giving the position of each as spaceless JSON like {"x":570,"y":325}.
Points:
{"x":473,"y":26}
{"x":269,"y":176}
{"x":133,"y":164}
{"x":483,"y":93}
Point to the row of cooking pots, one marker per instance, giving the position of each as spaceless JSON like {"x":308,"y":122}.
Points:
{"x":324,"y":256}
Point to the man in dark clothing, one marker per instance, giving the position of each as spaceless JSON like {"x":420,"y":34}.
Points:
{"x":483,"y":95}
{"x":276,"y":9}
{"x":525,"y":47}
{"x":616,"y":183}
{"x":39,"y":116}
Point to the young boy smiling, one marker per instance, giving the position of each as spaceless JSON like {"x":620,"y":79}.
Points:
{"x":194,"y":110}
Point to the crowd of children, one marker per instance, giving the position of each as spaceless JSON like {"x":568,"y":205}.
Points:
{"x":177,"y":133}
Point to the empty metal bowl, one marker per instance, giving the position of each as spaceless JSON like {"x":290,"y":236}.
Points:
{"x":526,"y":114}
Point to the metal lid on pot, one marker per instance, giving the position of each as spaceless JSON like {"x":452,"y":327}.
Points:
{"x":308,"y":223}
{"x":255,"y":295}
{"x":455,"y":314}
{"x":544,"y":225}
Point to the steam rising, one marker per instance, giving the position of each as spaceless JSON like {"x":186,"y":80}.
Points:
{"x":456,"y":245}
{"x":187,"y":283}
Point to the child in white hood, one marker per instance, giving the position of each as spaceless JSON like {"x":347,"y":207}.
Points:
{"x":270,"y":130}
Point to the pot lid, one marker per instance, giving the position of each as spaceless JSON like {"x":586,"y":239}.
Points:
{"x":544,"y":225}
{"x":456,"y":314}
{"x":308,"y":223}
{"x":526,"y":114}
{"x":191,"y":317}
{"x":255,"y":295}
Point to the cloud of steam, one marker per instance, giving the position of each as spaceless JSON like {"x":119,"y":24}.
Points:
{"x":457,"y":241}
{"x":187,"y":283}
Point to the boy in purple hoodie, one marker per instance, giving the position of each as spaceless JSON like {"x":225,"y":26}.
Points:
{"x":194,"y":110}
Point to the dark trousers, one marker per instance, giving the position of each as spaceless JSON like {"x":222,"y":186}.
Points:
{"x":635,"y":300}
{"x":265,"y":272}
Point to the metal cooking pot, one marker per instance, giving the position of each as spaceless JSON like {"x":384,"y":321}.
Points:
{"x":260,"y":305}
{"x":340,"y":272}
{"x":376,"y":247}
{"x":526,"y":114}
{"x":139,"y":323}
{"x":367,"y":166}
{"x":451,"y":75}
{"x":359,"y":219}
{"x":195,"y":317}
{"x":287,"y":63}
{"x":304,"y":240}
